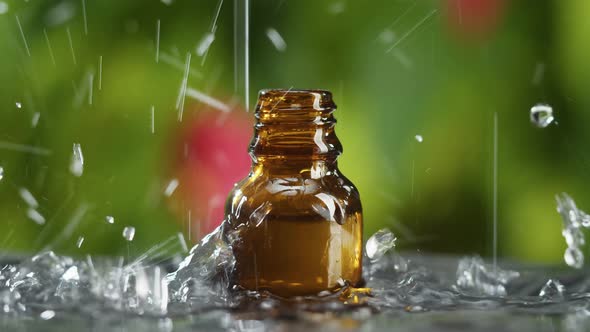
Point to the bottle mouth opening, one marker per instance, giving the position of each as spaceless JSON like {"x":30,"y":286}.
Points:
{"x":271,"y":100}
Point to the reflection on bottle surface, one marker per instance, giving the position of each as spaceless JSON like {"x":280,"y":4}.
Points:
{"x":295,"y":223}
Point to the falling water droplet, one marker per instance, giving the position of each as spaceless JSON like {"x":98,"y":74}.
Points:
{"x":129,"y":233}
{"x":77,"y":163}
{"x":26,"y":195}
{"x":109,"y":219}
{"x":379,"y":244}
{"x":419,"y":138}
{"x":205,"y":43}
{"x":3,"y":7}
{"x":35,"y":216}
{"x":276,"y":39}
{"x":80,"y":241}
{"x":541,"y":115}
{"x":19,"y":104}
{"x":47,"y":314}
{"x":171,"y":187}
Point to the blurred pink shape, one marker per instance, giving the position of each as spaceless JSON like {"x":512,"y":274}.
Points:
{"x":213,"y":156}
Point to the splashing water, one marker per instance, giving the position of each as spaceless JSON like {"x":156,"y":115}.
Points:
{"x":476,"y":278}
{"x":379,"y":244}
{"x":574,"y":220}
{"x":541,"y":115}
{"x":553,"y":290}
{"x":201,"y":284}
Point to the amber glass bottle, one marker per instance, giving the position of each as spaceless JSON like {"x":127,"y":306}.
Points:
{"x":295,"y":223}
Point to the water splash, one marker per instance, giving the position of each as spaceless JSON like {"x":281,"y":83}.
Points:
{"x":201,"y":283}
{"x":379,"y":244}
{"x":553,"y":290}
{"x":573,"y":220}
{"x":476,"y":278}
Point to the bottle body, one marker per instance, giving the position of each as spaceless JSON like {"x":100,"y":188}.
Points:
{"x":295,"y":223}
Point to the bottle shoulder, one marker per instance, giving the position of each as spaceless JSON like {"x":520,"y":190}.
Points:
{"x":331,"y":197}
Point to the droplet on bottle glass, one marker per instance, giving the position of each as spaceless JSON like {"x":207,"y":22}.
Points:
{"x":19,"y":104}
{"x":541,"y":115}
{"x":129,"y":233}
{"x":419,"y":138}
{"x":109,"y":219}
{"x":1,"y":173}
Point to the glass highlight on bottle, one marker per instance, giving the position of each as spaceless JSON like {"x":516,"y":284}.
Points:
{"x":295,"y":223}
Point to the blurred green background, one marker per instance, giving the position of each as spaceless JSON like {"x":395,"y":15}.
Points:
{"x":439,"y":69}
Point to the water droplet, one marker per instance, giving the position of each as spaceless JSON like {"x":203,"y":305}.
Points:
{"x":337,"y":7}
{"x":19,"y":104}
{"x":552,"y":290}
{"x":109,"y":219}
{"x":574,"y":257}
{"x":379,"y":243}
{"x":79,"y":241}
{"x":573,"y":237}
{"x":419,"y":138}
{"x":26,"y":195}
{"x":1,"y":172}
{"x":77,"y":163}
{"x":171,"y":187}
{"x":35,"y":119}
{"x":35,"y":216}
{"x":3,"y":7}
{"x":541,"y":115}
{"x":276,"y":39}
{"x":47,"y":314}
{"x":386,"y":36}
{"x":205,"y":43}
{"x":129,"y":233}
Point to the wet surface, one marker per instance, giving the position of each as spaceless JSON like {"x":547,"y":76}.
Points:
{"x":404,"y":292}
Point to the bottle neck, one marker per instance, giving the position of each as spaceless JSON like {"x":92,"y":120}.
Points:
{"x":294,"y":132}
{"x":308,"y":169}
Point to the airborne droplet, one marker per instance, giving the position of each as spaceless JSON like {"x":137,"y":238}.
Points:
{"x":541,"y":115}
{"x":129,"y":233}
